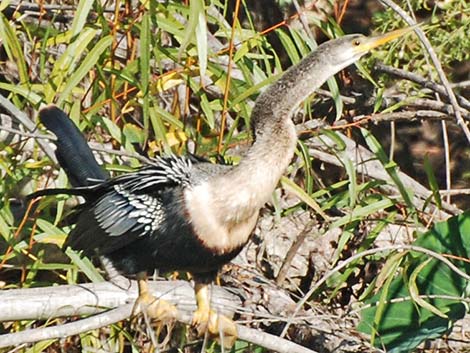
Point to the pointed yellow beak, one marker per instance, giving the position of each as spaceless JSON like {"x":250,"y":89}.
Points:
{"x":373,"y":42}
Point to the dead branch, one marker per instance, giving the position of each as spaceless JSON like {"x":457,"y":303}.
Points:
{"x":411,"y":76}
{"x":109,"y":304}
{"x":28,"y":124}
{"x":437,"y":64}
{"x":424,"y":103}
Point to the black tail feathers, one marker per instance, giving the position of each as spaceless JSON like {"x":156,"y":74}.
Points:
{"x":73,"y":152}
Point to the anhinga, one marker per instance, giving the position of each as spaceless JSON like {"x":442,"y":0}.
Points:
{"x":183,"y":213}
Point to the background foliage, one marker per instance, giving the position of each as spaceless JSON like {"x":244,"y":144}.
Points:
{"x":157,"y":77}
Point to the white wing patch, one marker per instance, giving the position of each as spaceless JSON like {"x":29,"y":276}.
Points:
{"x":123,"y":211}
{"x":134,"y":204}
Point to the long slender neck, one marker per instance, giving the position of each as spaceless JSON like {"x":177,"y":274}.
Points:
{"x":277,"y":103}
{"x":225,"y":208}
{"x":249,"y":185}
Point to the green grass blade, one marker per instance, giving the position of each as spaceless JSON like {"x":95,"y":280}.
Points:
{"x":85,"y":265}
{"x":88,"y":63}
{"x":201,"y":37}
{"x":390,"y":167}
{"x":13,"y":48}
{"x":159,"y":128}
{"x":196,"y":8}
{"x":65,"y":64}
{"x":292,"y":187}
{"x":334,"y":89}
{"x":362,"y":212}
{"x":433,"y":185}
{"x":145,"y":69}
{"x":289,"y":46}
{"x":81,"y":16}
{"x":414,"y":291}
{"x":23,"y":91}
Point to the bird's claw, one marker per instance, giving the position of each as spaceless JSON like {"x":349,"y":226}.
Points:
{"x":219,"y":327}
{"x":156,"y":309}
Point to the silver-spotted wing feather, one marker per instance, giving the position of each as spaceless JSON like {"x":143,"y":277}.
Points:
{"x":130,"y":206}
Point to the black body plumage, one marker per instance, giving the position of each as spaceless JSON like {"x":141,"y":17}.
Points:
{"x":137,"y":220}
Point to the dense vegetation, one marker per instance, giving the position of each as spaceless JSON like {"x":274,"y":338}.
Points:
{"x":367,"y":232}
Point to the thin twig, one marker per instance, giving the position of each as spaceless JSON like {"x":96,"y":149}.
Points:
{"x":413,"y":77}
{"x":303,"y":20}
{"x":445,"y":138}
{"x":73,"y":328}
{"x":93,"y":147}
{"x":292,"y":251}
{"x":376,"y":118}
{"x":27,"y":123}
{"x":26,"y":134}
{"x":400,"y":116}
{"x":436,"y":62}
{"x":454,"y":192}
{"x":353,"y":258}
{"x":259,"y":338}
{"x":32,"y":7}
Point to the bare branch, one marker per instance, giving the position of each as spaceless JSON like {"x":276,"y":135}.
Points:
{"x":30,"y":126}
{"x":69,"y":329}
{"x":437,"y":64}
{"x":292,"y":251}
{"x":93,"y":298}
{"x":410,"y":76}
{"x":88,"y":299}
{"x":26,"y":134}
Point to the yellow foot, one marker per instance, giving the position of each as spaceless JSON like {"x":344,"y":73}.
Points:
{"x":219,"y":327}
{"x":156,"y":309}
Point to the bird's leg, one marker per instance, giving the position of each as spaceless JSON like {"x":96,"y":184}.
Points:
{"x":205,"y":319}
{"x":113,"y":274}
{"x":156,"y":309}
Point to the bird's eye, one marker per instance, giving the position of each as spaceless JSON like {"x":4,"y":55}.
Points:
{"x":357,"y":42}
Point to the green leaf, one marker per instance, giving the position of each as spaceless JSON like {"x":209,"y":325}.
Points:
{"x":51,"y":233}
{"x":88,"y":63}
{"x":81,"y":16}
{"x":433,"y":185}
{"x":390,"y":167}
{"x":113,"y":129}
{"x":5,"y":224}
{"x":13,"y":48}
{"x":145,"y":68}
{"x":201,"y":36}
{"x":133,"y":134}
{"x":40,"y":346}
{"x":196,"y":13}
{"x":407,"y":322}
{"x":292,"y":187}
{"x":85,"y":265}
{"x":288,"y":46}
{"x":414,"y":291}
{"x":361,"y":212}
{"x":207,"y":109}
{"x":23,"y":91}
{"x":66,"y":63}
{"x":334,"y":90}
{"x":4,"y":4}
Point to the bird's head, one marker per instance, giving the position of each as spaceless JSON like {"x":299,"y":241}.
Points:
{"x":350,"y":48}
